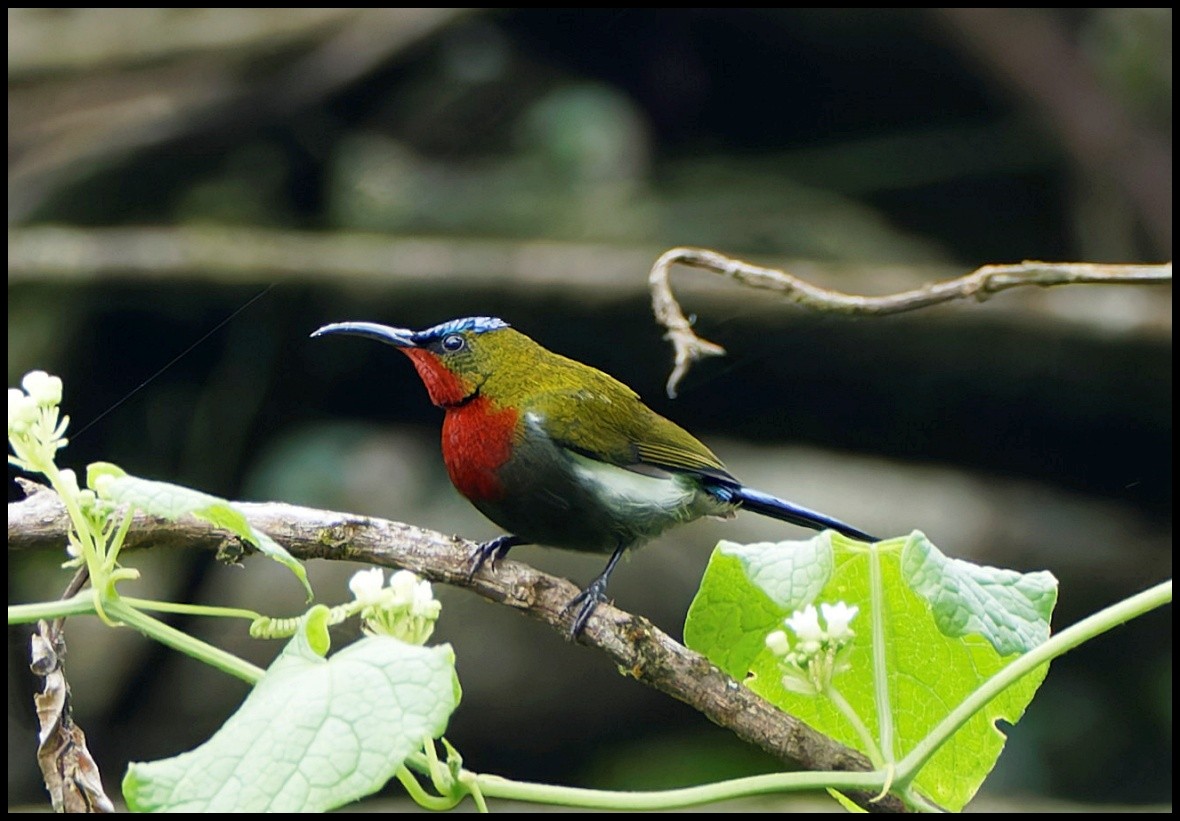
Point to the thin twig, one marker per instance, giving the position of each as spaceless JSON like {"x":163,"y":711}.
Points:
{"x":74,"y":587}
{"x":632,"y":642}
{"x":979,"y":284}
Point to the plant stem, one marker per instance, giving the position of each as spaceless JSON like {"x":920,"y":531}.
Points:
{"x":191,"y":609}
{"x":77,"y":605}
{"x":851,"y":716}
{"x":497,"y":787}
{"x":421,"y":797}
{"x":178,"y":640}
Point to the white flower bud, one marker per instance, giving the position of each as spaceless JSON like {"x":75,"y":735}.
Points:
{"x":778,"y":643}
{"x":69,"y":482}
{"x":403,"y":584}
{"x":43,"y":389}
{"x":366,"y":584}
{"x":22,"y":411}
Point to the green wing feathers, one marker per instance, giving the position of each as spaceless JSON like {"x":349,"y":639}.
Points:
{"x":618,"y":428}
{"x":677,"y":454}
{"x":590,"y":412}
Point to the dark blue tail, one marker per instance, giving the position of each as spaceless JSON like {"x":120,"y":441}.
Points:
{"x":776,"y":508}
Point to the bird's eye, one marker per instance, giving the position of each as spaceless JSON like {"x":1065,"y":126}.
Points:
{"x":453,"y":342}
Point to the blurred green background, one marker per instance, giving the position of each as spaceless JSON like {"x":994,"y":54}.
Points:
{"x":192,"y":191}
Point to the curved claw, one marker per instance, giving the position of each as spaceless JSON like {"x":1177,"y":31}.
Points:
{"x":586,"y":602}
{"x":494,"y":549}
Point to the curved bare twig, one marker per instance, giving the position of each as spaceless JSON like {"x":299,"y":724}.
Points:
{"x":979,"y":284}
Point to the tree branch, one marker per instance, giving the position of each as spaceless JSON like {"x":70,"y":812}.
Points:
{"x":92,"y":85}
{"x":979,"y":284}
{"x":635,"y":644}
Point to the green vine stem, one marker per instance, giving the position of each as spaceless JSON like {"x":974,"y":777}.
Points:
{"x":179,"y":640}
{"x":496,"y":787}
{"x":192,"y":609}
{"x":122,"y":611}
{"x":78,"y":605}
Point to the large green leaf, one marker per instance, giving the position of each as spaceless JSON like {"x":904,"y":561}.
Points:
{"x":943,"y":621}
{"x":314,"y":734}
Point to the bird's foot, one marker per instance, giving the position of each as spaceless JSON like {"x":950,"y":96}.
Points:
{"x":585,"y":603}
{"x":494,"y":549}
{"x":592,"y":596}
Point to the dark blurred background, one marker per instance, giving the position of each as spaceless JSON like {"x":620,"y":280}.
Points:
{"x":192,"y":191}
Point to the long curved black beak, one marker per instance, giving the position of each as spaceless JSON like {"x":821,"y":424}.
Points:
{"x":397,"y":337}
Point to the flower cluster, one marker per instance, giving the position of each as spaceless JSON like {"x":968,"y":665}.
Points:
{"x":33,"y":412}
{"x":406,"y":609}
{"x":819,"y":652}
{"x":36,"y":432}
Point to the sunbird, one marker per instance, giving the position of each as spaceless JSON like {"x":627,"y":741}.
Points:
{"x":559,"y":453}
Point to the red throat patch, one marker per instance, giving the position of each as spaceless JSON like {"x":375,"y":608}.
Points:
{"x":444,"y":386}
{"x":477,"y":439}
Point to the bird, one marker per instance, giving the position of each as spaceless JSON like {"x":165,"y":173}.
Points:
{"x":559,"y":453}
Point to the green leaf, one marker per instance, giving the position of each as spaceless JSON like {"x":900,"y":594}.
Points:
{"x":1009,"y":609}
{"x":729,"y":615}
{"x":173,"y":501}
{"x":930,"y":672}
{"x":314,"y":734}
{"x":791,"y":578}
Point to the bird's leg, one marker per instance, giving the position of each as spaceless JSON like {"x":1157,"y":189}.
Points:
{"x":495,"y":549}
{"x":594,"y":593}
